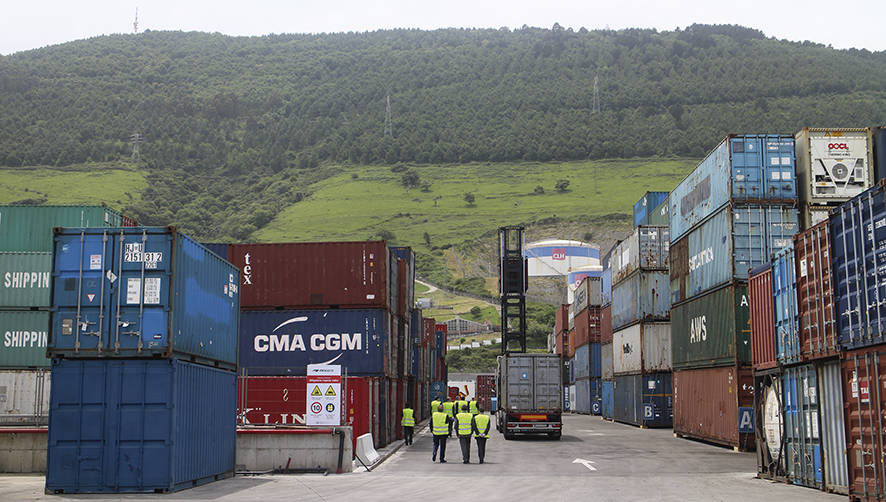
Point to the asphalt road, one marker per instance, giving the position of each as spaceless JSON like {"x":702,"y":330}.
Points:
{"x":594,"y":460}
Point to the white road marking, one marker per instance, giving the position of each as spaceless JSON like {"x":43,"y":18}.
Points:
{"x":586,"y":463}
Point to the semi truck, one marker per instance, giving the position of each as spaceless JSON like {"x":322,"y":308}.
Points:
{"x":530,"y":395}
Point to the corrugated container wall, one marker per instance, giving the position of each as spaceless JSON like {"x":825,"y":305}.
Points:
{"x":24,"y":397}
{"x":880,"y":152}
{"x":833,"y":427}
{"x":784,"y":287}
{"x":802,"y":438}
{"x":833,"y":165}
{"x":644,"y":208}
{"x":606,"y":324}
{"x":408,"y":256}
{"x":607,"y":368}
{"x":644,"y":400}
{"x":645,"y":249}
{"x":587,"y":361}
{"x":24,"y":338}
{"x":139,"y":425}
{"x":762,"y":318}
{"x":315,"y":275}
{"x":588,"y":294}
{"x":25,"y":280}
{"x":707,"y":402}
{"x":142,"y":292}
{"x":858,"y":244}
{"x":641,"y":297}
{"x":864,"y":377}
{"x":29,"y":228}
{"x":742,"y":168}
{"x":607,"y":399}
{"x":642,"y":348}
{"x":606,"y":277}
{"x":725,"y":247}
{"x":660,"y":216}
{"x":712,"y":330}
{"x":587,"y":326}
{"x":815,"y":299}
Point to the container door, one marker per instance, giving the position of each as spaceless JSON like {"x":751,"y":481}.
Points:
{"x":778,"y":167}
{"x":520,"y":382}
{"x":863,"y":384}
{"x":657,"y":407}
{"x":749,"y":248}
{"x":833,"y":431}
{"x":547,"y":383}
{"x":801,"y":419}
{"x":786,"y":317}
{"x":747,"y":172}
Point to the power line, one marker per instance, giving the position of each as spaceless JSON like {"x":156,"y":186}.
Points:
{"x":388,"y":129}
{"x":596,"y":104}
{"x":135,"y":139}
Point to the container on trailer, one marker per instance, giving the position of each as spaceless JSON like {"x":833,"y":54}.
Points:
{"x":644,"y":208}
{"x":24,"y":335}
{"x":833,"y":426}
{"x":607,"y":368}
{"x":607,"y":400}
{"x":606,"y":324}
{"x":833,"y":164}
{"x":29,"y":228}
{"x":528,"y":382}
{"x":142,"y":292}
{"x":641,"y":297}
{"x":815,"y":300}
{"x":645,"y":249}
{"x":644,"y":347}
{"x":742,"y":168}
{"x":709,"y":403}
{"x":762,"y":318}
{"x":728,"y":245}
{"x":879,"y":134}
{"x":316,"y":275}
{"x":660,"y":215}
{"x":784,"y":292}
{"x":25,"y":280}
{"x":643,"y":400}
{"x":769,"y":430}
{"x":587,"y":361}
{"x":24,"y":397}
{"x":858,"y":246}
{"x":139,"y":425}
{"x":863,"y":383}
{"x":712,"y":329}
{"x":802,"y":437}
{"x":588,"y":294}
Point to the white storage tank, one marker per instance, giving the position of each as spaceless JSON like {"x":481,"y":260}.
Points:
{"x":556,"y":257}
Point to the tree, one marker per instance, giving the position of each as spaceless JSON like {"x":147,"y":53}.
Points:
{"x":427,"y":237}
{"x":539,"y":190}
{"x":562,"y":186}
{"x":476,"y":311}
{"x":409,"y":179}
{"x":469,"y":198}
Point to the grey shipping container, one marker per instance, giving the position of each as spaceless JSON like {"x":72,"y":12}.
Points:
{"x":642,"y":348}
{"x":588,"y":293}
{"x":23,"y":338}
{"x":24,"y":397}
{"x":529,"y":382}
{"x":29,"y":228}
{"x":833,"y":431}
{"x":660,"y":216}
{"x":641,"y":297}
{"x":645,"y":249}
{"x":25,"y":279}
{"x":606,"y":361}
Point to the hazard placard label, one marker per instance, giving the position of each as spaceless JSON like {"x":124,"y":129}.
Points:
{"x":316,"y":391}
{"x":330,"y":391}
{"x":323,"y":408}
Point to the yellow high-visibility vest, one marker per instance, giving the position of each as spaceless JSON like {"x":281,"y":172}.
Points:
{"x":482,"y":422}
{"x":439,"y":427}
{"x":447,"y":407}
{"x":434,"y":405}
{"x":473,"y":407}
{"x":464,"y":423}
{"x":408,"y":418}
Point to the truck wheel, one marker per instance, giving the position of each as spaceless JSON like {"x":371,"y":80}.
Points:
{"x":555,"y":435}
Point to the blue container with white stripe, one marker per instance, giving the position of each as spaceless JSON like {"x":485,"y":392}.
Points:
{"x":784,"y":292}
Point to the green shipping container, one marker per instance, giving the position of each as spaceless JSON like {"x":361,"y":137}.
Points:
{"x":25,"y":280}
{"x":712,"y":329}
{"x":29,"y":228}
{"x":23,"y":338}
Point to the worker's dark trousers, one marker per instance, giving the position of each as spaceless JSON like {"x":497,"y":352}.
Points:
{"x":481,"y":448}
{"x":439,"y":442}
{"x":465,"y":443}
{"x":407,"y":434}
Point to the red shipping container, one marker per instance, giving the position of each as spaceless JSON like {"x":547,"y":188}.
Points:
{"x":569,"y":348}
{"x":402,"y":279}
{"x":561,"y":319}
{"x":815,"y":301}
{"x":484,"y":390}
{"x":762,"y":318}
{"x":128,"y":222}
{"x":427,"y":330}
{"x":864,"y":397}
{"x":606,"y":324}
{"x":582,"y":324}
{"x":706,"y":403}
{"x":314,"y":275}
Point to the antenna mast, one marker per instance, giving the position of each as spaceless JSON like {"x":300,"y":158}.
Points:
{"x":135,"y":139}
{"x":135,"y":23}
{"x":388,"y":130}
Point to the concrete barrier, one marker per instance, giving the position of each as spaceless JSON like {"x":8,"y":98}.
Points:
{"x":23,"y":450}
{"x":264,"y":449}
{"x":366,"y":452}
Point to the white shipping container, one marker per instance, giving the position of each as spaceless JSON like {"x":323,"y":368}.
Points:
{"x":642,"y":348}
{"x":24,"y":397}
{"x":833,"y":165}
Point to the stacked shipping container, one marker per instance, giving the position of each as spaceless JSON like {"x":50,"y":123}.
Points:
{"x":585,"y":370}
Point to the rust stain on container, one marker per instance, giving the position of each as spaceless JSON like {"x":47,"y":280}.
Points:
{"x":815,"y":300}
{"x":864,"y":397}
{"x":606,"y":324}
{"x":706,"y":403}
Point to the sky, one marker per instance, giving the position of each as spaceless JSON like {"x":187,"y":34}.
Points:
{"x":32,"y":24}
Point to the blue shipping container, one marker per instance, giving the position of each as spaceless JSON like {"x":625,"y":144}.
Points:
{"x":880,"y":152}
{"x":142,"y":292}
{"x":285,"y":342}
{"x":644,"y":206}
{"x":570,"y":369}
{"x":726,"y":246}
{"x":644,"y":400}
{"x":587,"y":361}
{"x":801,"y":426}
{"x":606,"y":284}
{"x":607,"y":400}
{"x":742,"y":168}
{"x":858,"y":247}
{"x":587,"y":394}
{"x":784,"y":292}
{"x":219,"y":248}
{"x":139,"y":425}
{"x":439,"y":391}
{"x":641,"y":297}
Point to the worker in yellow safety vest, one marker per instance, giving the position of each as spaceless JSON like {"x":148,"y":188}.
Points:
{"x":473,"y":406}
{"x":441,"y":424}
{"x":481,"y":432}
{"x":464,"y":424}
{"x":434,"y":404}
{"x":408,"y":423}
{"x":459,"y":404}
{"x":448,"y":408}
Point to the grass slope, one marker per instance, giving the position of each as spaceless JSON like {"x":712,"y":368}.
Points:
{"x":114,"y":184}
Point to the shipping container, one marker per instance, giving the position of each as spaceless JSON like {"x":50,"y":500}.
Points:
{"x":139,"y":425}
{"x":607,"y":400}
{"x":570,"y":370}
{"x":833,"y":426}
{"x":407,"y":255}
{"x":784,"y":287}
{"x":569,"y":347}
{"x":606,"y":324}
{"x":660,"y":215}
{"x":858,"y":244}
{"x":29,"y":228}
{"x":587,"y":361}
{"x":762,"y":318}
{"x":643,"y":400}
{"x":709,"y":403}
{"x":641,"y":297}
{"x":142,"y":292}
{"x":221,"y":249}
{"x":24,"y":337}
{"x":24,"y":397}
{"x":607,"y":369}
{"x":802,"y":438}
{"x":813,"y":214}
{"x":864,"y":381}
{"x":438,"y":390}
{"x":815,"y":300}
{"x":587,"y":393}
{"x":587,"y":326}
{"x":530,"y":394}
{"x":588,"y":294}
{"x":485,"y":389}
{"x":642,"y":348}
{"x":561,"y":318}
{"x":316,"y":275}
{"x":712,"y":329}
{"x":606,"y":277}
{"x":742,"y":168}
{"x":728,"y":245}
{"x":25,"y":280}
{"x":769,"y":430}
{"x":833,"y":165}
{"x":644,"y":208}
{"x":645,"y":249}
{"x":880,"y":152}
